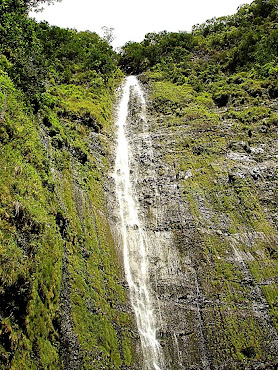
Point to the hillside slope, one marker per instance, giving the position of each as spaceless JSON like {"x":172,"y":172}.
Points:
{"x":63,"y":300}
{"x":205,"y":170}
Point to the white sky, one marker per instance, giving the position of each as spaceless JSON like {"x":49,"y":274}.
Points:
{"x":132,"y":20}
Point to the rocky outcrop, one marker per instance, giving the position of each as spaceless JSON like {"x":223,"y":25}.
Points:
{"x":211,"y":259}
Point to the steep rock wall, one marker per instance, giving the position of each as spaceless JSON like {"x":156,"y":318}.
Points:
{"x":209,"y":207}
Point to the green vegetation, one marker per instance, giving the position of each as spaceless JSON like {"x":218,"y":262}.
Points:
{"x":61,"y":284}
{"x":215,"y":90}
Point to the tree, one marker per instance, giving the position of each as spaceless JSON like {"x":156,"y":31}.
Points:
{"x":36,"y":3}
{"x":108,"y":34}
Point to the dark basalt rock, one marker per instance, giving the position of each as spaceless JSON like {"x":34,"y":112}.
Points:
{"x":191,"y":309}
{"x":13,"y":302}
{"x":62,"y":223}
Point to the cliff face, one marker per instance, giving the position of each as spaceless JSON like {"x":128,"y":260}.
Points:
{"x":63,"y":296}
{"x":205,"y":169}
{"x":208,"y":203}
{"x":207,"y":195}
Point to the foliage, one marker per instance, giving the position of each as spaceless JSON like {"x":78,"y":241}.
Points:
{"x":58,"y":264}
{"x":227,"y":44}
{"x":164,"y":46}
{"x":39,"y":54}
{"x":56,"y":98}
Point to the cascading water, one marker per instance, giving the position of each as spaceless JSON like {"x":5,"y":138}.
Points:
{"x":133,"y":238}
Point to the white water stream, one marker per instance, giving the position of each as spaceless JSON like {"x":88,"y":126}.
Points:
{"x":133,"y":238}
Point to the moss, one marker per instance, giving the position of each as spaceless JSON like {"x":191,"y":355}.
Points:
{"x":31,"y":247}
{"x":234,"y":233}
{"x":45,"y":213}
{"x":270,"y":292}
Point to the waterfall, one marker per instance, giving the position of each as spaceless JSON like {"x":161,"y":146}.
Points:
{"x":133,"y":236}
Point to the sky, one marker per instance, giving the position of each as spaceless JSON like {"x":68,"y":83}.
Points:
{"x":131,"y":20}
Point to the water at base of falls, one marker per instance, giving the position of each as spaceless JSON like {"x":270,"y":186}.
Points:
{"x":133,"y":238}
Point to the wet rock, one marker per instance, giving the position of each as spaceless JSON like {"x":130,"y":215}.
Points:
{"x":236,"y":174}
{"x":191,"y":248}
